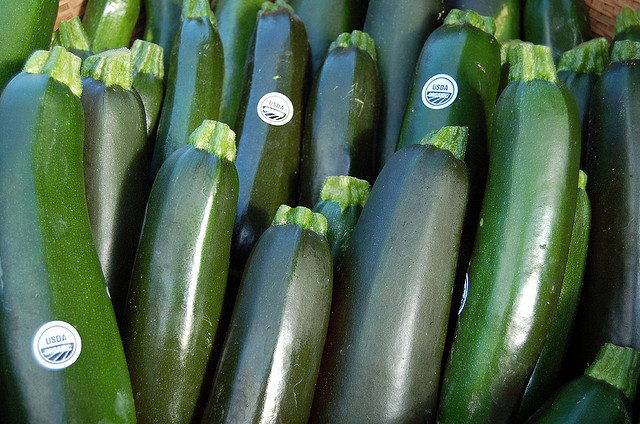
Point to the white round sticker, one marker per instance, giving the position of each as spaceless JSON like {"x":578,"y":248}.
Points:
{"x":275,"y":108}
{"x":56,"y":345}
{"x":440,"y":91}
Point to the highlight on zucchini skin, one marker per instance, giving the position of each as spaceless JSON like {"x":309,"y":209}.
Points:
{"x":109,"y":23}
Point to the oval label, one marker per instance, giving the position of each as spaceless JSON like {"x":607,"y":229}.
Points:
{"x":275,"y":108}
{"x":440,"y":91}
{"x":56,"y":345}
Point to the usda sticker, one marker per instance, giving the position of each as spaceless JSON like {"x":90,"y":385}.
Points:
{"x":275,"y":108}
{"x":56,"y":345}
{"x":440,"y":91}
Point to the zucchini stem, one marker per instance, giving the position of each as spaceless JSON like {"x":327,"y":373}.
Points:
{"x":148,"y":58}
{"x":590,"y":57}
{"x":618,"y":366}
{"x":302,"y":217}
{"x":451,"y":138}
{"x":356,"y":38}
{"x":345,"y":190}
{"x":59,"y":64}
{"x":112,"y":67}
{"x":459,"y":17}
{"x":216,"y":138}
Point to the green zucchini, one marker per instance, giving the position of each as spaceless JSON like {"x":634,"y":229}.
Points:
{"x":72,"y":36}
{"x":161,"y":25}
{"x":148,"y":74}
{"x":342,"y":115}
{"x":269,"y":137}
{"x":603,"y":395}
{"x":116,"y":165}
{"x":236,"y":22}
{"x":109,"y":23}
{"x":26,"y":26}
{"x":505,"y":12}
{"x":521,"y":246}
{"x":271,"y":355}
{"x":609,"y":305}
{"x":194,"y":85}
{"x":325,"y":20}
{"x":179,"y":279}
{"x":559,"y":24}
{"x":507,"y":56}
{"x":341,"y":201}
{"x":627,"y":25}
{"x":579,"y":68}
{"x":61,"y":358}
{"x":547,"y":372}
{"x":399,"y":29}
{"x":391,"y":298}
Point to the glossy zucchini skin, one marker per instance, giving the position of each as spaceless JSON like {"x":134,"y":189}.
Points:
{"x":116,"y":171}
{"x":518,"y":260}
{"x":150,"y":88}
{"x":161,"y":26}
{"x":340,"y":126}
{"x":269,"y":155}
{"x":546,"y":375}
{"x":194,"y":86}
{"x":26,"y":26}
{"x":399,"y":29}
{"x":50,"y":270}
{"x":178,"y":285}
{"x":109,"y":23}
{"x":271,"y":355}
{"x":236,"y":23}
{"x":580,"y":85}
{"x":505,"y":12}
{"x":559,"y":24}
{"x":609,"y":305}
{"x":392,"y":295}
{"x":325,"y":20}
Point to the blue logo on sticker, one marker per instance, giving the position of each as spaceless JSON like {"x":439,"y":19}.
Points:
{"x":440,"y":91}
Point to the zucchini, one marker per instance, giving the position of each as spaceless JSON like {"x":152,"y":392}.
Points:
{"x":26,"y":26}
{"x":399,"y":29}
{"x":326,"y":20}
{"x":236,"y":22}
{"x":579,"y":68}
{"x":179,"y":278}
{"x":609,"y":306}
{"x":116,"y":165}
{"x":271,"y":355}
{"x":61,"y":358}
{"x":391,"y":298}
{"x":519,"y":257}
{"x":72,"y":36}
{"x":547,"y":372}
{"x":342,"y":115}
{"x":341,"y":201}
{"x":603,"y":395}
{"x":559,"y":24}
{"x":269,"y":136}
{"x":627,"y":25}
{"x":109,"y":23}
{"x":194,"y":85}
{"x":148,"y":75}
{"x":507,"y":56}
{"x":505,"y":12}
{"x":161,"y":25}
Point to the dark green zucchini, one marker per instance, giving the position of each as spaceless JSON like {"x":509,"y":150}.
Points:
{"x":194,"y":85}
{"x":271,"y":355}
{"x":342,"y":116}
{"x":116,"y":165}
{"x":547,"y":372}
{"x":579,"y":68}
{"x":325,"y":20}
{"x":392,"y":295}
{"x":161,"y":25}
{"x":236,"y":22}
{"x":627,"y":25}
{"x":148,"y":74}
{"x":341,"y":201}
{"x":399,"y":29}
{"x":559,"y":24}
{"x":26,"y":26}
{"x":505,"y":12}
{"x":507,"y":55}
{"x":603,"y":395}
{"x":180,"y":276}
{"x":521,"y":246}
{"x":61,"y":358}
{"x":109,"y":23}
{"x":72,"y":36}
{"x":269,"y":124}
{"x":609,"y":307}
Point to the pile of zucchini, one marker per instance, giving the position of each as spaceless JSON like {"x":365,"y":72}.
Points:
{"x":380,"y":211}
